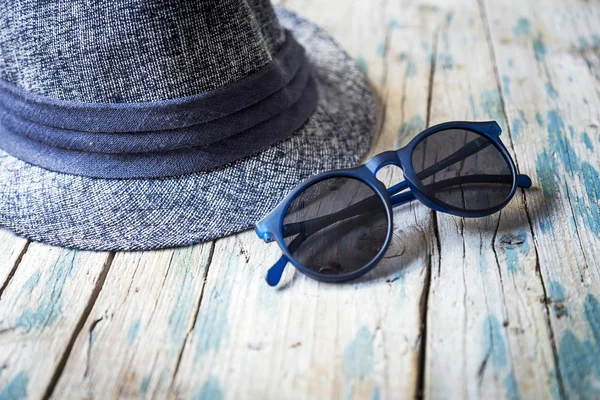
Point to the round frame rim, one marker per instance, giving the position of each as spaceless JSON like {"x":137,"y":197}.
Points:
{"x":411,"y":175}
{"x":364,"y":175}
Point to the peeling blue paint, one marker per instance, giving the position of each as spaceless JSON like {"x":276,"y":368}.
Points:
{"x":144,"y":385}
{"x":376,"y":394}
{"x":483,"y":264}
{"x":539,"y":119}
{"x":579,"y":366}
{"x":381,"y":50}
{"x":362,"y":64}
{"x":522,"y":28}
{"x":539,"y":49}
{"x":212,"y":325}
{"x":493,"y":343}
{"x":511,"y":62}
{"x":588,"y":210}
{"x":492,"y":104}
{"x":556,"y":296}
{"x":359,"y":359}
{"x":515,"y":245}
{"x":545,"y":168}
{"x":550,"y":91}
{"x":394,"y":24}
{"x":424,"y":45}
{"x":446,"y":60}
{"x":210,"y":390}
{"x":545,"y":225}
{"x":575,"y":167}
{"x":555,"y":125}
{"x":592,"y":315}
{"x":473,"y":106}
{"x":580,"y":359}
{"x":449,"y":17}
{"x":517,"y":128}
{"x":16,"y":389}
{"x":554,"y":386}
{"x":556,"y":291}
{"x":494,"y":353}
{"x":411,"y":127}
{"x":31,"y":283}
{"x":185,"y":302}
{"x":411,"y":69}
{"x":133,"y":331}
{"x":506,"y":84}
{"x":584,"y":43}
{"x":402,"y":56}
{"x":51,"y":301}
{"x":587,"y":141}
{"x":512,"y":388}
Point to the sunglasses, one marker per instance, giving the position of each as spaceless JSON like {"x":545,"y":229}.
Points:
{"x":337,"y":226}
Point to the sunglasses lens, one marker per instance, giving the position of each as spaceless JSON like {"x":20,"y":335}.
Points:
{"x":462,"y":169}
{"x":336,"y":226}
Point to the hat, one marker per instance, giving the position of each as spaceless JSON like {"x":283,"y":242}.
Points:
{"x":141,"y":125}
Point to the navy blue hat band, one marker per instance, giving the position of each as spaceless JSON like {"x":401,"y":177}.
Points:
{"x":162,"y":140}
{"x":157,"y":115}
{"x":172,"y":137}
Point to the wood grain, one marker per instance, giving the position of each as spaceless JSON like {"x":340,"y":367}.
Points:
{"x":11,"y":250}
{"x":547,"y":60}
{"x":504,"y":306}
{"x":41,"y":311}
{"x":487,"y":283}
{"x":312,"y":340}
{"x":132,"y":339}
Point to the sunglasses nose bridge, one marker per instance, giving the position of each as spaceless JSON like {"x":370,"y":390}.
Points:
{"x":383,"y":159}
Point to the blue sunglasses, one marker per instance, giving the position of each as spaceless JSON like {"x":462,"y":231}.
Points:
{"x":337,"y":226}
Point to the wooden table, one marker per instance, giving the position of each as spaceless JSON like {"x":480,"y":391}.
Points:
{"x":505,"y":306}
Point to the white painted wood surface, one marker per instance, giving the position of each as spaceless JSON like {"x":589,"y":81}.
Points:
{"x":487,"y":282}
{"x":41,"y":312}
{"x":11,"y":249}
{"x":500,"y":307}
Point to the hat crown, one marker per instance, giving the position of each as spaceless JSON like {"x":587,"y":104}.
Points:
{"x":132,"y":51}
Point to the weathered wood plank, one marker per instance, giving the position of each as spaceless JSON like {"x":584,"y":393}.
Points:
{"x":41,"y":309}
{"x":312,"y":340}
{"x":547,"y":57}
{"x":487,"y":331}
{"x":131,"y":342}
{"x":492,"y":280}
{"x":11,"y":249}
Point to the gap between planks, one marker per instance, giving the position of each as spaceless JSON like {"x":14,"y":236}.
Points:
{"x":80,"y":324}
{"x":488,"y":35}
{"x":13,"y":268}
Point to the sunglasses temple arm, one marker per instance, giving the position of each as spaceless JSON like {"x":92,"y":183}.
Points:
{"x":276,"y":271}
{"x":524,"y":181}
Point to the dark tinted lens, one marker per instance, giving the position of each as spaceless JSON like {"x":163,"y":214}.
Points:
{"x":336,"y":226}
{"x":462,"y":169}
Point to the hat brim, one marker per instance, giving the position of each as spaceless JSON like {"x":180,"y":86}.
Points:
{"x":142,"y":214}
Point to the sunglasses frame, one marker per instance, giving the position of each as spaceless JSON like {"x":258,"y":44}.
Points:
{"x":270,"y":228}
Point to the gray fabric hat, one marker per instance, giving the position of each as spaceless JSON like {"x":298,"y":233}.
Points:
{"x":142,"y":125}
